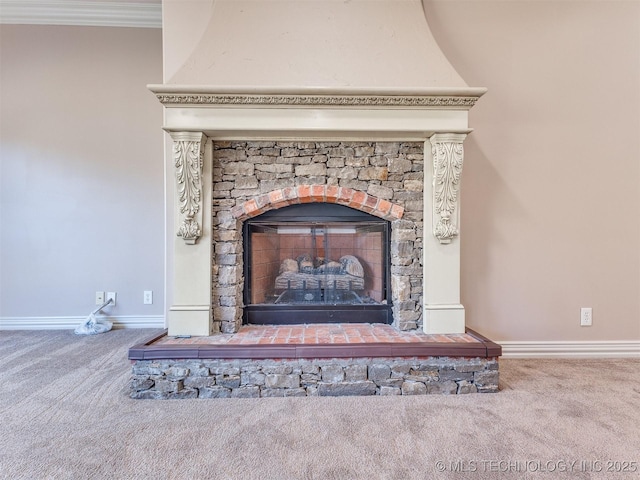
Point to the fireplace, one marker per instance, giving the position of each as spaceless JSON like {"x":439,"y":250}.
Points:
{"x":373,"y":121}
{"x":317,"y":151}
{"x":343,"y":244}
{"x":316,"y":263}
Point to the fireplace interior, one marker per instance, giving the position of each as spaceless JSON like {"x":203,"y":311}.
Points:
{"x":316,"y":263}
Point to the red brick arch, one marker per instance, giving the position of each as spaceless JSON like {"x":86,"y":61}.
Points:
{"x":318,"y":193}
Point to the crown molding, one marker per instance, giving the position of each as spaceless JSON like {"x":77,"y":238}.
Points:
{"x":81,"y":13}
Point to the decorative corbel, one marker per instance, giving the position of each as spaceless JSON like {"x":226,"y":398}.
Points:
{"x":188,"y":152}
{"x":448,"y":156}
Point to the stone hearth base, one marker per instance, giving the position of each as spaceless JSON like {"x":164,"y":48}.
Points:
{"x":284,"y":361}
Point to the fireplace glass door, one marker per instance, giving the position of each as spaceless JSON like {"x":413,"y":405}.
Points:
{"x":316,"y":263}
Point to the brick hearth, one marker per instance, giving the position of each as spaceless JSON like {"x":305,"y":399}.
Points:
{"x":335,"y":334}
{"x":310,"y":360}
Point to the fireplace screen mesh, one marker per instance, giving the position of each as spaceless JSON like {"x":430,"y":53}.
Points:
{"x":339,"y":267}
{"x":316,"y":264}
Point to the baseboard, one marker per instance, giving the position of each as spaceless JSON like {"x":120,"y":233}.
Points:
{"x":64,"y":323}
{"x":513,"y":349}
{"x":599,"y":349}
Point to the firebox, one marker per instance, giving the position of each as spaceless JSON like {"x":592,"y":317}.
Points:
{"x":316,"y":263}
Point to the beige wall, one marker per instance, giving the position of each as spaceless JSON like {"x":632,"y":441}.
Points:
{"x":551,"y":189}
{"x":81,"y":150}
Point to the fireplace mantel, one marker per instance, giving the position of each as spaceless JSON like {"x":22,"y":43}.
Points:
{"x":316,"y":113}
{"x":195,"y":116}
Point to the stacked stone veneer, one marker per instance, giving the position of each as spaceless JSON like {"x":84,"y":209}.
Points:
{"x":381,"y":178}
{"x":171,"y":379}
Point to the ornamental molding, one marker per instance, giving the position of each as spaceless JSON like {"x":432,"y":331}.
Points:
{"x":188,"y":153}
{"x":448,"y":156}
{"x":424,"y":101}
{"x":190,"y":231}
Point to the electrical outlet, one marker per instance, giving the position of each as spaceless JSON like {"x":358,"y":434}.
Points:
{"x":112,"y":295}
{"x":99,"y":298}
{"x":148,"y":297}
{"x":586,"y":317}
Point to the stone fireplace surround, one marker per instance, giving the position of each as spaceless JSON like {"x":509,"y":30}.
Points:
{"x":393,"y":153}
{"x":384,"y":179}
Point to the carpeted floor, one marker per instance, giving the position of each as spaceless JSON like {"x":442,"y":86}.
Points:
{"x":66,"y":414}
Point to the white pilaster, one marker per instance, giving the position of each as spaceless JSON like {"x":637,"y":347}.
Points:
{"x":190,"y":313}
{"x":443,"y":312}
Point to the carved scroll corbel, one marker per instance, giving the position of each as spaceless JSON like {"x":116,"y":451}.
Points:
{"x":448,"y":156}
{"x":188,"y":152}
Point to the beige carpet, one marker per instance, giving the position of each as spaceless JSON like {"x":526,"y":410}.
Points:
{"x":66,"y":414}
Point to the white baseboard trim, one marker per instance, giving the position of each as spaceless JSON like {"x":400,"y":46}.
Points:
{"x":598,"y":349}
{"x":510,"y":349}
{"x":70,"y":323}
